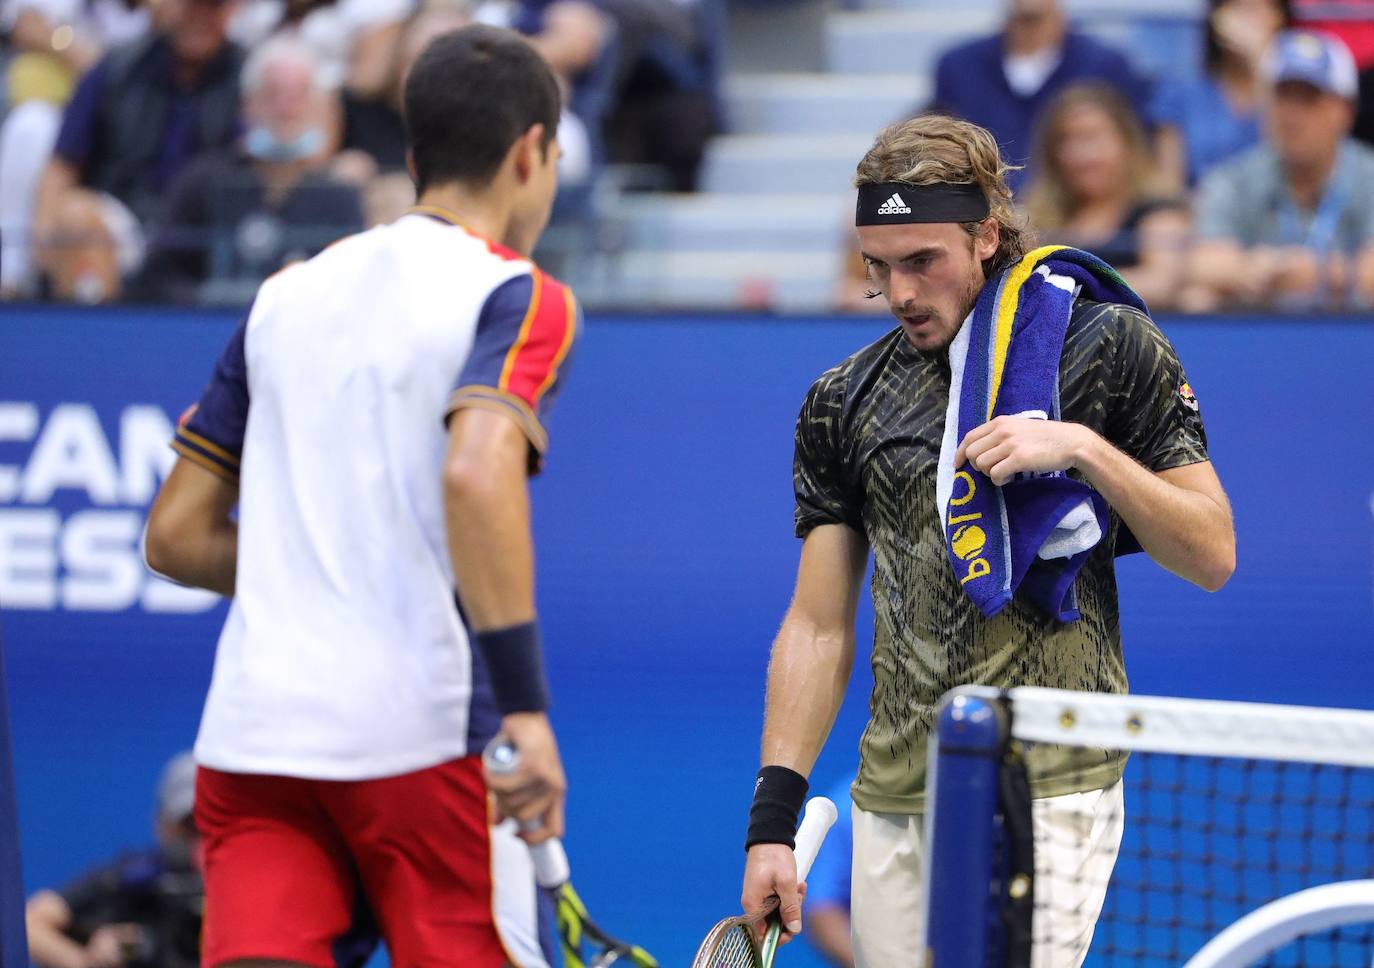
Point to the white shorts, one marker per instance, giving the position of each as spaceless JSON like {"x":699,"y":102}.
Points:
{"x":1076,"y":842}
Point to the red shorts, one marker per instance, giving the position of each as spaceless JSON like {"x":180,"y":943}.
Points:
{"x":285,"y":858}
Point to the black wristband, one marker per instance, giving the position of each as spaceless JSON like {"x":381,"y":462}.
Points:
{"x":778,"y":797}
{"x":515,"y":662}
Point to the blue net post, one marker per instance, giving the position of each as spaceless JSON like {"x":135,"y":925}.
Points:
{"x":963,"y":835}
{"x":14,"y":950}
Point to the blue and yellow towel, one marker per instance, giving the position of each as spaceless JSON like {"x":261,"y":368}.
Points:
{"x":1031,"y":535}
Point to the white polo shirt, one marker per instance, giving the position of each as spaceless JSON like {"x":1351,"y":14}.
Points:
{"x":344,"y":655}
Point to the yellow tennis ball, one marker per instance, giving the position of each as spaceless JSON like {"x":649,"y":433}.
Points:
{"x":968,"y":541}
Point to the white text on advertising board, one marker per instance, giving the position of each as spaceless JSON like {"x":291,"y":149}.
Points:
{"x":72,"y":508}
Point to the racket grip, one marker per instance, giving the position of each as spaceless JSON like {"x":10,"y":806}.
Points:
{"x":816,"y":823}
{"x":551,"y":868}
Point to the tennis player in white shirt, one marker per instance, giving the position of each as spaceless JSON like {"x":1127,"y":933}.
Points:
{"x":374,"y":421}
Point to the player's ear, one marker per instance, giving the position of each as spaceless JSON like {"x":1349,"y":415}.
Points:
{"x":410,"y":167}
{"x":529,"y":152}
{"x":986,"y":241}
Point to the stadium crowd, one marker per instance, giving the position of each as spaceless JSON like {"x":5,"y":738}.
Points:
{"x":1250,"y":184}
{"x":182,"y":150}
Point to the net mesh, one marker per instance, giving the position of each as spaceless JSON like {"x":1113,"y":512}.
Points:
{"x":1203,"y":842}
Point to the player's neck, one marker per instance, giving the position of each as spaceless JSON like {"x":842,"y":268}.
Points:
{"x":480,"y":212}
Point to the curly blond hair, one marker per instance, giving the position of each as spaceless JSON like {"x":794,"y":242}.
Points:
{"x":933,"y":149}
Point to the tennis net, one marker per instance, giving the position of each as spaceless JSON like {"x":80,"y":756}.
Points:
{"x":1246,"y":836}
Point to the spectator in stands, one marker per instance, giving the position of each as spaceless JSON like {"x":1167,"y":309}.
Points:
{"x":135,"y":121}
{"x":355,"y":39}
{"x":641,"y":76}
{"x":67,"y":37}
{"x":1207,"y":119}
{"x":53,"y":42}
{"x":374,"y":141}
{"x":569,"y":34}
{"x":827,"y":887}
{"x":1353,"y":22}
{"x":373,"y":156}
{"x":663,"y":108}
{"x":1290,"y":224}
{"x":1003,"y":81}
{"x":572,"y":37}
{"x":1094,"y":189}
{"x":234,"y":218}
{"x":141,"y":910}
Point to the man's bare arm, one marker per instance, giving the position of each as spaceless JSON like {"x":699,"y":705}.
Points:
{"x":487,"y":512}
{"x":191,"y":537}
{"x":47,"y":917}
{"x":813,"y":655}
{"x":487,"y":504}
{"x":1180,"y":516}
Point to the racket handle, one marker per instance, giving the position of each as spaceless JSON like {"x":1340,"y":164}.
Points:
{"x":551,"y":868}
{"x":816,"y":823}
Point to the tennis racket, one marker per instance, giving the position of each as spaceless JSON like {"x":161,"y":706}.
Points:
{"x":731,"y":943}
{"x":584,"y":943}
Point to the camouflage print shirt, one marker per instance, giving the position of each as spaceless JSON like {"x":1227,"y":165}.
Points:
{"x":867,"y":444}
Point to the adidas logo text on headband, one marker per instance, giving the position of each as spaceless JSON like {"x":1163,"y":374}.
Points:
{"x":889,"y":203}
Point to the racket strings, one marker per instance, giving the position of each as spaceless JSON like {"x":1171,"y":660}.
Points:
{"x":734,"y":949}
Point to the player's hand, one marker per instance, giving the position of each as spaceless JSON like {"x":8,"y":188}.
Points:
{"x":112,"y":945}
{"x":1006,"y":446}
{"x":534,"y":793}
{"x":771,"y":870}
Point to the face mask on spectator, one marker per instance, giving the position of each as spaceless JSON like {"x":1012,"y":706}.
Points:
{"x":262,"y":144}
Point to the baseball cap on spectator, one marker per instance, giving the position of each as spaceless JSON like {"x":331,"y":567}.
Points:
{"x":176,"y":790}
{"x":1312,"y":58}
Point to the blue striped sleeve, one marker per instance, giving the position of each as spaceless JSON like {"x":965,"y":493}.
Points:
{"x":520,"y":354}
{"x":211,"y":432}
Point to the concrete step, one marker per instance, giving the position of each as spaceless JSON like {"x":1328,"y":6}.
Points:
{"x":909,"y":38}
{"x":730,"y":223}
{"x":785,"y":282}
{"x":996,"y":6}
{"x":902,"y":41}
{"x":821,"y":103}
{"x":1134,"y":9}
{"x":782,"y":164}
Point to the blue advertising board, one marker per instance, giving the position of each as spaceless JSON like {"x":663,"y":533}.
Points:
{"x":666,"y":557}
